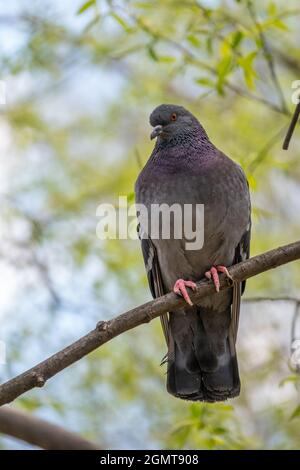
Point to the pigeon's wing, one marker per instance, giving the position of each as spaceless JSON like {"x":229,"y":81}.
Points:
{"x":242,"y":253}
{"x":154,"y":275}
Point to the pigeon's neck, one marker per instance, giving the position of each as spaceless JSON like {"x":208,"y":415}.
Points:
{"x":190,"y":140}
{"x":195,"y":136}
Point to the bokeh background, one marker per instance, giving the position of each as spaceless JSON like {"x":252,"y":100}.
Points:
{"x":81,"y":79}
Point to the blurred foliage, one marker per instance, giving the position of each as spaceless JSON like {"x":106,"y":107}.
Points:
{"x":82,"y":78}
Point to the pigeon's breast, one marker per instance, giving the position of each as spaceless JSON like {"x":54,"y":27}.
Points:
{"x":220,"y":191}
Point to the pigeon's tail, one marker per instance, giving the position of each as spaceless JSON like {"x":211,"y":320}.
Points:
{"x":202,"y":362}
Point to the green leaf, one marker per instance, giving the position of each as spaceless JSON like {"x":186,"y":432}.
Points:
{"x":130,"y":196}
{"x":167,"y":59}
{"x":289,"y":379}
{"x":81,"y":250}
{"x":296,"y":413}
{"x":274,"y":23}
{"x":225,"y":49}
{"x":258,"y":42}
{"x":30,"y":404}
{"x":121,"y":22}
{"x":225,"y":407}
{"x":246,"y":63}
{"x":193,"y":40}
{"x":279,"y":24}
{"x":152,"y":53}
{"x":252,"y":181}
{"x":272,"y":9}
{"x":217,"y":441}
{"x":209,"y":45}
{"x":236,"y":39}
{"x":224,"y":67}
{"x":206,"y":82}
{"x":86,"y":6}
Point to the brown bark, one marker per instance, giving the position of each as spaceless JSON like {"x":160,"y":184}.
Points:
{"x":39,"y":432}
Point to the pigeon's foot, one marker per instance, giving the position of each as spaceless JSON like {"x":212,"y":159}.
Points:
{"x":213,"y":274}
{"x":180,"y":289}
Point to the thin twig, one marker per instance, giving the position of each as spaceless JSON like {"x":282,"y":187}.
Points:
{"x":285,"y":298}
{"x":291,"y":127}
{"x":266,"y":148}
{"x":268,"y":55}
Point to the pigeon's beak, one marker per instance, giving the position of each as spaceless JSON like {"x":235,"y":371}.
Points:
{"x":156,"y":132}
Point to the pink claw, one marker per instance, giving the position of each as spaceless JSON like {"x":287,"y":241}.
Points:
{"x":180,"y":289}
{"x":223,"y":269}
{"x":213,"y":273}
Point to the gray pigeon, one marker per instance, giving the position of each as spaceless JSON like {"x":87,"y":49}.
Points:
{"x":186,"y":168}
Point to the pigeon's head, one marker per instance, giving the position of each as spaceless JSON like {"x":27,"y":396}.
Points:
{"x":170,"y":120}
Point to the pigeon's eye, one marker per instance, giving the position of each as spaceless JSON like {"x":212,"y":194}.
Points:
{"x":173,"y":117}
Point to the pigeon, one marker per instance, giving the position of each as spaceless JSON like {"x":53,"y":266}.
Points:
{"x":186,"y":169}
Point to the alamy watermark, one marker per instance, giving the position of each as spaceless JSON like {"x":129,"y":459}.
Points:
{"x":159,"y":221}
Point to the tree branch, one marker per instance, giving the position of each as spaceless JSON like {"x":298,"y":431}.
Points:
{"x":291,"y":128}
{"x":105,"y":331}
{"x":40,"y":433}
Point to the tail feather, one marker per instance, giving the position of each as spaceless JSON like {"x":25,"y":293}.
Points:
{"x":224,"y":382}
{"x":182,"y":381}
{"x":202,"y":362}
